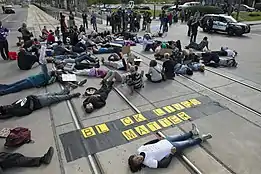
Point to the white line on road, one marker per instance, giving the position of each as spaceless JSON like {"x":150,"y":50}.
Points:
{"x":5,"y":17}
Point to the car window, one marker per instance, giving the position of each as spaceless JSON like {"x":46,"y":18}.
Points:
{"x":222,"y":19}
{"x":215,"y":18}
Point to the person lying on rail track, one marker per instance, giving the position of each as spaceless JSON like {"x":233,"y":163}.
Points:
{"x":200,"y":46}
{"x":158,"y":153}
{"x":213,"y":60}
{"x":36,"y":81}
{"x":31,"y":103}
{"x":98,"y":99}
{"x":93,"y":72}
{"x":12,"y":160}
{"x":225,"y":51}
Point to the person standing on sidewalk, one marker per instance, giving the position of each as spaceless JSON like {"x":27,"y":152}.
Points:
{"x":194,"y":30}
{"x":3,"y":42}
{"x":94,"y":21}
{"x":84,"y":20}
{"x":64,"y":30}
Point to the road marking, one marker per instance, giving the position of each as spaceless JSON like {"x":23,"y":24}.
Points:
{"x":102,"y":128}
{"x":127,"y":121}
{"x":169,"y":109}
{"x":178,"y":106}
{"x":5,"y":17}
{"x":129,"y":134}
{"x":165,"y":122}
{"x":139,"y":117}
{"x":159,"y":112}
{"x":154,"y":126}
{"x":142,"y":130}
{"x":174,"y":119}
{"x":183,"y":116}
{"x":88,"y":132}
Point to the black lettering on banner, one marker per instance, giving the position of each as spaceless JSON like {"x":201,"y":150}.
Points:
{"x":139,"y":117}
{"x":142,"y":130}
{"x":159,"y":112}
{"x":153,"y":126}
{"x":127,"y":121}
{"x":88,"y":132}
{"x":187,"y":104}
{"x":129,"y":134}
{"x":165,"y":122}
{"x":169,"y":109}
{"x":178,"y":106}
{"x":195,"y":101}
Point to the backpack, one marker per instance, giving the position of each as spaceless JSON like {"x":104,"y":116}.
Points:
{"x":17,"y":137}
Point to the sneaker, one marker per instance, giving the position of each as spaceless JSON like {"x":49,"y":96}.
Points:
{"x":66,"y":91}
{"x":73,"y":86}
{"x":81,"y":83}
{"x":194,"y":130}
{"x":205,"y":137}
{"x":46,"y":159}
{"x":76,"y":94}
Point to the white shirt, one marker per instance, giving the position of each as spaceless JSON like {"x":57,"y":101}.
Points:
{"x":155,"y":152}
{"x":230,"y":53}
{"x":155,"y":73}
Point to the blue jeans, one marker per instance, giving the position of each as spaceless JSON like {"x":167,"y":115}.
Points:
{"x":184,"y":141}
{"x":15,"y":87}
{"x":194,"y":66}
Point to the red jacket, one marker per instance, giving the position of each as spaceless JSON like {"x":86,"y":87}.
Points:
{"x":50,"y":38}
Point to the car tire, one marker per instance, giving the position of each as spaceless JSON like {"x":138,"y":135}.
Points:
{"x":230,"y":32}
{"x":205,"y":29}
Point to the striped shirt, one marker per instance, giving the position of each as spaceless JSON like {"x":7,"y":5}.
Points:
{"x":135,"y":80}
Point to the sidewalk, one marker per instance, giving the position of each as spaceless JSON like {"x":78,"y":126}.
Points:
{"x":253,"y":22}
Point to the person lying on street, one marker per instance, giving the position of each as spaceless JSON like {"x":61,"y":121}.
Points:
{"x":213,"y":60}
{"x":93,"y":72}
{"x":36,"y":81}
{"x":31,"y":103}
{"x":200,"y":46}
{"x":158,"y":153}
{"x":98,"y":99}
{"x":26,"y":60}
{"x":119,"y":65}
{"x":12,"y":160}
{"x":83,"y":61}
{"x":225,"y":51}
{"x":60,"y":50}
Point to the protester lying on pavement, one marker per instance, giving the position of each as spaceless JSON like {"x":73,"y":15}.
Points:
{"x":103,"y":50}
{"x":213,"y":60}
{"x":36,"y":81}
{"x":98,"y":99}
{"x":12,"y":160}
{"x":168,"y":67}
{"x":119,"y":65}
{"x":60,"y":50}
{"x":155,"y":73}
{"x":26,"y":60}
{"x":31,"y":103}
{"x":158,"y":153}
{"x":77,"y":63}
{"x":79,"y":47}
{"x":225,"y":51}
{"x":93,"y":72}
{"x":200,"y":46}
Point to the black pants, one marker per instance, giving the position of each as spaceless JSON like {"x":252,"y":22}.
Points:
{"x":10,"y":160}
{"x":193,"y":37}
{"x":149,"y":79}
{"x":94,"y":25}
{"x":26,"y":38}
{"x":220,"y":53}
{"x":189,"y":30}
{"x":105,"y":90}
{"x":85,"y":23}
{"x":4,"y":49}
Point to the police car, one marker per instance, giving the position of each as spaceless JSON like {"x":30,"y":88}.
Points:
{"x":224,"y":23}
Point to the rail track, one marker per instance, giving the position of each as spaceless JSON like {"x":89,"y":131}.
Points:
{"x":93,"y":160}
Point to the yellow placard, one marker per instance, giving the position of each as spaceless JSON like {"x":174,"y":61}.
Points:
{"x":195,"y":102}
{"x":187,"y":104}
{"x":183,"y":116}
{"x":129,"y":134}
{"x":127,"y":121}
{"x":165,"y":122}
{"x":153,"y":126}
{"x":142,"y":130}
{"x":159,"y":112}
{"x":139,"y":117}
{"x":169,"y":109}
{"x":178,"y":106}
{"x":102,"y":128}
{"x":174,"y":119}
{"x":88,"y":132}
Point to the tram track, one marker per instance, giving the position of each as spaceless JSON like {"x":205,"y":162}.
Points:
{"x":93,"y":160}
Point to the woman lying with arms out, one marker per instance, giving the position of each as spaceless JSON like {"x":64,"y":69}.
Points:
{"x":158,"y":153}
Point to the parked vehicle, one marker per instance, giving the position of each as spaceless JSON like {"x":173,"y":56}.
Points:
{"x":244,"y":7}
{"x":224,"y":23}
{"x":9,"y":9}
{"x":258,"y":6}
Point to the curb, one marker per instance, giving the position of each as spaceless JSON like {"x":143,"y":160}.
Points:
{"x":255,"y":24}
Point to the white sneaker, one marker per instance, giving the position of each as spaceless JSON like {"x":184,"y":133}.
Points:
{"x":205,"y":137}
{"x":194,"y":130}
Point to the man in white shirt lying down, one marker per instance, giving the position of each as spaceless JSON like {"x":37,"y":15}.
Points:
{"x":158,"y":153}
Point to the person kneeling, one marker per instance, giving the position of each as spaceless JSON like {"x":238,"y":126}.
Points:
{"x":98,"y":99}
{"x":158,"y":153}
{"x":26,"y":60}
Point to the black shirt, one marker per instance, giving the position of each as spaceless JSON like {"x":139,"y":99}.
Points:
{"x":20,"y":107}
{"x":84,"y":16}
{"x":168,"y":67}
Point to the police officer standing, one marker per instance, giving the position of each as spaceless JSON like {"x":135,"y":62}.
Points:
{"x":84,"y":20}
{"x":3,"y":42}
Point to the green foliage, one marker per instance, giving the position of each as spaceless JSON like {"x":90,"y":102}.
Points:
{"x":206,"y":9}
{"x":248,"y":16}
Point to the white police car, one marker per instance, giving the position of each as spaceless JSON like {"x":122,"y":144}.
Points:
{"x":224,"y":23}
